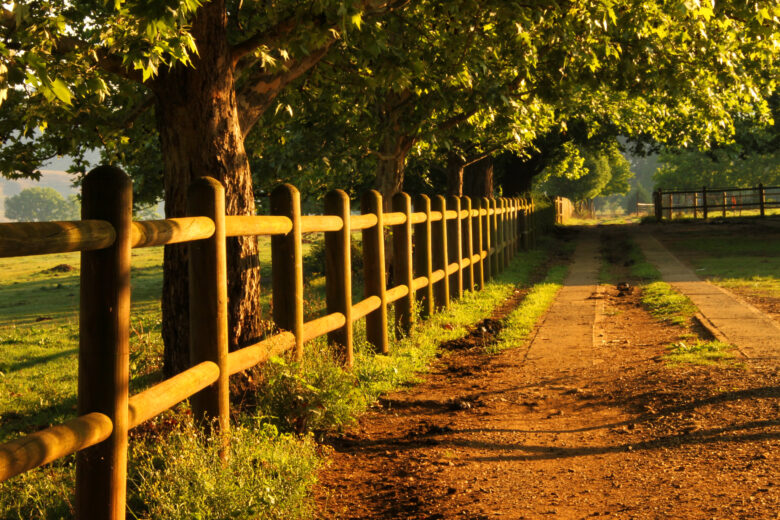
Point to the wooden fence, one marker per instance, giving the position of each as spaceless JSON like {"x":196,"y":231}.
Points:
{"x":440,"y":249}
{"x":707,"y":202}
{"x":564,"y":209}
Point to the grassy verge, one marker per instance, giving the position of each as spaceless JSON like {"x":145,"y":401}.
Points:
{"x":699,"y":353}
{"x":746,"y":261}
{"x":667,"y":304}
{"x":670,"y":306}
{"x":175,"y":473}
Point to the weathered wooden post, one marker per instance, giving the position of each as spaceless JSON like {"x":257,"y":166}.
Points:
{"x":761,"y":200}
{"x":468,"y":245}
{"x":455,"y":244}
{"x":486,"y":240}
{"x":104,"y":332}
{"x":502,"y":233}
{"x":725,"y":204}
{"x":671,"y":204}
{"x":658,"y":202}
{"x":441,"y":290}
{"x":704,"y":206}
{"x":533,"y":224}
{"x":480,"y":273}
{"x":524,"y":223}
{"x":403,"y":265}
{"x":208,"y":305}
{"x":338,"y":274}
{"x":695,"y":198}
{"x":287,"y":266}
{"x":375,"y":272}
{"x":423,"y":260}
{"x":494,"y":237}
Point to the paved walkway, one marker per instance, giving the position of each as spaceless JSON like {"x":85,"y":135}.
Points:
{"x":755,"y":334}
{"x":565,"y":337}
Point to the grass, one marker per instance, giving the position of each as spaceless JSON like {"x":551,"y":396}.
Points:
{"x":174,"y":472}
{"x":735,"y":260}
{"x":668,"y":305}
{"x":699,"y":352}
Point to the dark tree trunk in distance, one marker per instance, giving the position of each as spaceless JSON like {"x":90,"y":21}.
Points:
{"x":478,"y":179}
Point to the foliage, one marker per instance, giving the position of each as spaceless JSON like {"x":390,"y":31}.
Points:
{"x":41,"y":204}
{"x":314,"y":261}
{"x":583,"y":174}
{"x":267,"y":475}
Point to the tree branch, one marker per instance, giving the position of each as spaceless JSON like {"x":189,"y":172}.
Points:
{"x":268,"y":37}
{"x":7,"y":19}
{"x":262,"y":88}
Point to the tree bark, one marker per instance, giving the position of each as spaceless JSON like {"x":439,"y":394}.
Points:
{"x":477,"y":179}
{"x":390,"y":167}
{"x":200,"y":135}
{"x":455,"y":167}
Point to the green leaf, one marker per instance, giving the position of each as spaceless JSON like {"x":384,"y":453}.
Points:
{"x":60,"y":89}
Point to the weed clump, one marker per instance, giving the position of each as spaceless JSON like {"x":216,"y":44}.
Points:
{"x":666,"y":304}
{"x":699,"y":353}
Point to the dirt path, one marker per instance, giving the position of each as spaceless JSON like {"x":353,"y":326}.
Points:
{"x":734,"y":320}
{"x":564,"y":339}
{"x":521,"y":435}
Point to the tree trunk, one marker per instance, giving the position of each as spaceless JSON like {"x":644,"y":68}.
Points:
{"x":455,"y":169}
{"x":390,"y":168}
{"x":478,"y":179}
{"x":200,"y":135}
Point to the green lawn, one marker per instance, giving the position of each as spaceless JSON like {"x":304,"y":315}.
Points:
{"x":735,"y":260}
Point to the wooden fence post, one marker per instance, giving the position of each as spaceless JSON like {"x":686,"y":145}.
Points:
{"x":658,"y":201}
{"x":532,"y":225}
{"x":502,"y":233}
{"x":494,"y":236}
{"x":455,"y":243}
{"x":725,"y":204}
{"x":515,"y":216}
{"x":441,"y":290}
{"x":486,"y":240}
{"x":338,"y":274}
{"x":208,"y":305}
{"x":695,"y":205}
{"x":422,"y":254}
{"x":480,"y":274}
{"x":704,"y":206}
{"x":104,"y":325}
{"x":761,"y":200}
{"x":468,"y":246}
{"x":671,"y":204}
{"x":287,"y":266}
{"x":375,"y":271}
{"x":524,"y":223}
{"x":403,"y":266}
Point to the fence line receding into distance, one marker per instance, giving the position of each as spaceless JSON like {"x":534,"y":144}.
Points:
{"x":707,"y":202}
{"x":441,"y":248}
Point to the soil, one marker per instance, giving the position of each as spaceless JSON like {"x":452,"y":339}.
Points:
{"x":485,"y":437}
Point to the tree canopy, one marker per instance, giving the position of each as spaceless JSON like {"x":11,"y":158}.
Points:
{"x":41,"y":204}
{"x":350,"y":91}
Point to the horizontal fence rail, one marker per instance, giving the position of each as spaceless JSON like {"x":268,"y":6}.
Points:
{"x":441,"y":249}
{"x":708,"y":202}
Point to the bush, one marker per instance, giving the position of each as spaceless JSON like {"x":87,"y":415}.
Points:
{"x":266,"y":475}
{"x":314,"y":261}
{"x":312,"y":396}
